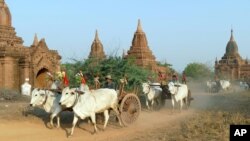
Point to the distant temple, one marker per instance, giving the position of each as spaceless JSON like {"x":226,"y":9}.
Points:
{"x":18,"y":62}
{"x":232,"y":66}
{"x":141,"y":52}
{"x":97,"y":51}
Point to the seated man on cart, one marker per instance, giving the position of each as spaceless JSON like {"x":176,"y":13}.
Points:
{"x":109,"y":83}
{"x":165,"y":92}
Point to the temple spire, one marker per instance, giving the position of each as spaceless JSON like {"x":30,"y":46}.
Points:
{"x":139,"y":27}
{"x":35,"y":42}
{"x":97,"y":51}
{"x":5,"y":15}
{"x":232,"y":37}
{"x":96,"y":36}
{"x":141,"y":51}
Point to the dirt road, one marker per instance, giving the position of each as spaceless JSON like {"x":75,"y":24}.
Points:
{"x":30,"y":128}
{"x":36,"y":130}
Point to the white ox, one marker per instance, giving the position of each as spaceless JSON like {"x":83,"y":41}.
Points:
{"x":90,"y":103}
{"x":50,"y":102}
{"x":152,"y":92}
{"x":179,"y":92}
{"x":244,"y":85}
{"x":211,"y":86}
{"x":225,"y":85}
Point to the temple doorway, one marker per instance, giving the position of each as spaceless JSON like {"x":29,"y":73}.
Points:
{"x":41,"y":79}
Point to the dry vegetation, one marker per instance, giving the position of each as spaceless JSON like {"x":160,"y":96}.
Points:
{"x":213,"y":122}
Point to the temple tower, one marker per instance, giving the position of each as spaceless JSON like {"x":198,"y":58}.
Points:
{"x":140,"y":50}
{"x":18,"y":62}
{"x":231,"y":65}
{"x":97,"y":51}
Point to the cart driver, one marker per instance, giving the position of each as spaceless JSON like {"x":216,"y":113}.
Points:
{"x":109,"y":82}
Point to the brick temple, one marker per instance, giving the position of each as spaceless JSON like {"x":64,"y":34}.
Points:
{"x":18,"y":62}
{"x":141,"y":52}
{"x":231,"y":65}
{"x":97,"y":51}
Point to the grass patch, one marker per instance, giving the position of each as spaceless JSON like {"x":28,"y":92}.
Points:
{"x":211,"y":125}
{"x":214,"y":122}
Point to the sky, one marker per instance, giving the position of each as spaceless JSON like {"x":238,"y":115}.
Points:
{"x":179,"y":32}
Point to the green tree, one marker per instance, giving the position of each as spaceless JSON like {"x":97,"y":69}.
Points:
{"x":198,"y":71}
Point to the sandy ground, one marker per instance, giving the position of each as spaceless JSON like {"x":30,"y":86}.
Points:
{"x":30,"y":130}
{"x":34,"y":128}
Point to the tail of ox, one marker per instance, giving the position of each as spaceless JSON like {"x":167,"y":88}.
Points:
{"x":50,"y":102}
{"x":178,"y":94}
{"x":89,"y":103}
{"x":189,"y":98}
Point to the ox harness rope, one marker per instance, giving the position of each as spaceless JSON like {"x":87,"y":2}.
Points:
{"x":76,"y":99}
{"x":46,"y":97}
{"x":148,"y":90}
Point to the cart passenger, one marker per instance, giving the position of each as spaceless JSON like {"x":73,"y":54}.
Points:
{"x":175,"y":78}
{"x":109,"y":83}
{"x":184,"y":79}
{"x":97,"y":82}
{"x":65,"y":78}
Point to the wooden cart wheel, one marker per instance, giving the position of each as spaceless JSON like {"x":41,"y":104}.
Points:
{"x":130,"y":108}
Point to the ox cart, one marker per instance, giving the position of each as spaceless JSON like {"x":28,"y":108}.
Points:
{"x":129,"y":104}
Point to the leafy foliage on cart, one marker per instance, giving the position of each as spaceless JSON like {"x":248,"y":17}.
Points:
{"x":117,"y":67}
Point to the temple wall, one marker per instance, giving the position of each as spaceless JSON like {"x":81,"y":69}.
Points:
{"x":9,"y":73}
